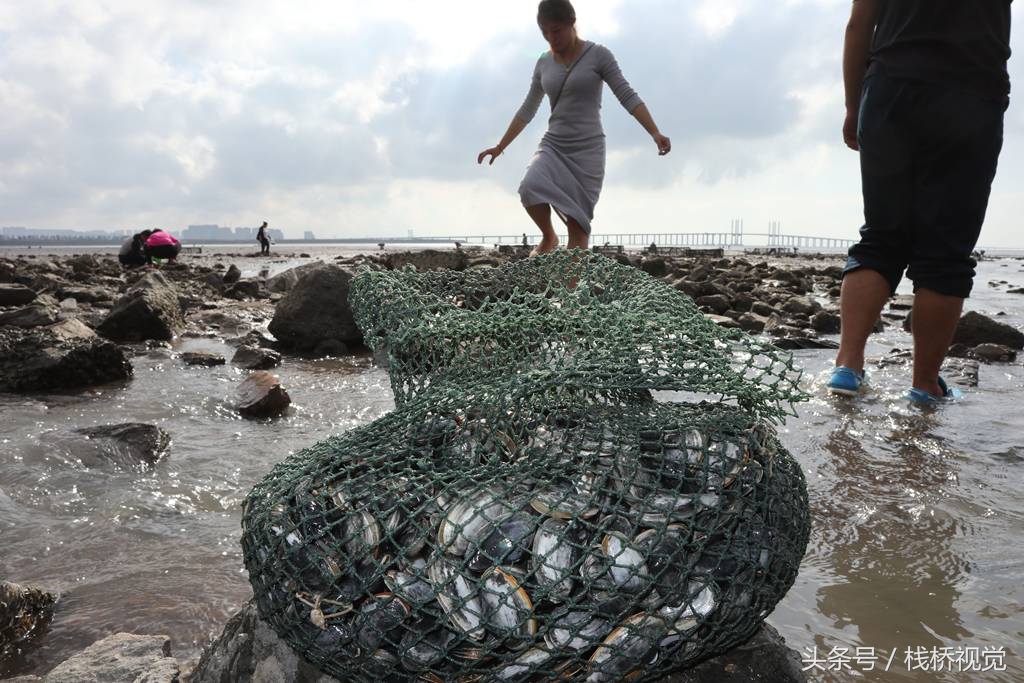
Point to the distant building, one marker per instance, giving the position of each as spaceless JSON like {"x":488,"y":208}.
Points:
{"x":308,"y":236}
{"x":206,"y":232}
{"x":276,"y":235}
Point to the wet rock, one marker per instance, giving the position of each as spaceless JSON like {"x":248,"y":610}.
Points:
{"x":244,"y":289}
{"x":149,"y":310}
{"x":994,"y":353}
{"x":85,"y":295}
{"x":752,"y":322}
{"x":202,"y":358}
{"x":959,"y":351}
{"x":85,"y":263}
{"x":248,"y":651}
{"x":330,"y":347}
{"x":284,"y":281}
{"x":254,"y":338}
{"x":761,"y":308}
{"x":315,"y":310}
{"x":15,"y":295}
{"x":975,"y":328}
{"x":24,"y":612}
{"x":216,"y":318}
{"x":130,"y":444}
{"x":1015,"y":290}
{"x":655,"y":267}
{"x":715,"y":302}
{"x":825,"y":322}
{"x":262,"y":395}
{"x":255,"y":358}
{"x":765,"y":658}
{"x":35,"y":315}
{"x":66,"y":355}
{"x":428,"y":259}
{"x":123,"y":657}
{"x":801,"y":304}
{"x":722,"y":320}
{"x":233,"y":275}
{"x":214,"y":282}
{"x":801,"y":343}
{"x":691,"y":289}
{"x":963,"y":372}
{"x":902,"y":302}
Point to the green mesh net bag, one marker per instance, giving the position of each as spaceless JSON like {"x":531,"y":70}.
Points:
{"x":531,"y":511}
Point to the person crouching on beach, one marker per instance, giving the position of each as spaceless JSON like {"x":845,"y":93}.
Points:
{"x":133,"y":250}
{"x":162,"y":245}
{"x":567,"y":171}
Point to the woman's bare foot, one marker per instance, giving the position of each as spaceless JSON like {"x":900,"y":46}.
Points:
{"x":546,"y":245}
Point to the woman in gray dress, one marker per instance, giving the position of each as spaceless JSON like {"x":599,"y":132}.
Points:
{"x":567,"y":171}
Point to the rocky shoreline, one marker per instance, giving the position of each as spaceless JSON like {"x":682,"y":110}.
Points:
{"x":68,"y":324}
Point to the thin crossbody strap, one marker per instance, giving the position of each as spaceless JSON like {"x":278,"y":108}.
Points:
{"x":572,"y":66}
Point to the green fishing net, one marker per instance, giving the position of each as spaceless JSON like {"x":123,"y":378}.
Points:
{"x":580,"y":481}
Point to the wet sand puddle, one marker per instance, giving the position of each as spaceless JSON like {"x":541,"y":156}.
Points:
{"x":917,"y":516}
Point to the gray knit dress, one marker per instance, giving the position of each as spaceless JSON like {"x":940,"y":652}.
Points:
{"x":568,"y":169}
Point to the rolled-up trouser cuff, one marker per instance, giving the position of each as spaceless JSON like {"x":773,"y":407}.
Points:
{"x":892,"y":272}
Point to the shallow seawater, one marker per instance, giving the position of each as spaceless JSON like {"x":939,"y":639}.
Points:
{"x":917,"y":516}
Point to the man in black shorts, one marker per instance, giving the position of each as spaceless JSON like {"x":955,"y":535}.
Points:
{"x":926,"y":89}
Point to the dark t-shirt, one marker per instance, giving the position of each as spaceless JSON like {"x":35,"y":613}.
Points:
{"x":962,"y":43}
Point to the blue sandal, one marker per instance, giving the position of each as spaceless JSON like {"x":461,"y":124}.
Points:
{"x":923,"y":398}
{"x":846,"y":381}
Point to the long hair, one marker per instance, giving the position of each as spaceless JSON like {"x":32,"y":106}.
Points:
{"x":560,"y":11}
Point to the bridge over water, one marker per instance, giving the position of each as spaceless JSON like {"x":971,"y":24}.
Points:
{"x":735,"y":239}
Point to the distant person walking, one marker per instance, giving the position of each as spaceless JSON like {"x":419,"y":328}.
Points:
{"x":133,"y":250}
{"x":162,"y":245}
{"x":926,"y":89}
{"x":567,"y":171}
{"x":264,"y":239}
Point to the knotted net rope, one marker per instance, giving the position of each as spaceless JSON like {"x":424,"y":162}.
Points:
{"x":531,"y":510}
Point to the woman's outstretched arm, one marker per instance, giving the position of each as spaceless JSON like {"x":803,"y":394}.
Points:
{"x":515,"y":127}
{"x":520,"y":120}
{"x":642,"y":115}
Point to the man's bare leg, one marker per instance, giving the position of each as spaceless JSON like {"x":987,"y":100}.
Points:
{"x":541,"y":215}
{"x":933,"y":322}
{"x":863,"y":295}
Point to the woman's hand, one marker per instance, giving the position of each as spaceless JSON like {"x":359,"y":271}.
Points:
{"x":493,"y":151}
{"x":664,"y":144}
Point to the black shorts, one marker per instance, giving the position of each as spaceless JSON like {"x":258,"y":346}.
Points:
{"x":928,"y":155}
{"x":164,"y":251}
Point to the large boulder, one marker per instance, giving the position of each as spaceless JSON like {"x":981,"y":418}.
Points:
{"x":316,"y":310}
{"x":248,"y":650}
{"x":15,"y":295}
{"x":149,"y":310}
{"x":975,"y":328}
{"x":121,"y":657}
{"x":66,"y":355}
{"x":285,"y":280}
{"x":23,"y":612}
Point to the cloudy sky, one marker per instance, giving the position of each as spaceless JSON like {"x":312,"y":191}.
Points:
{"x":352,"y":119}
